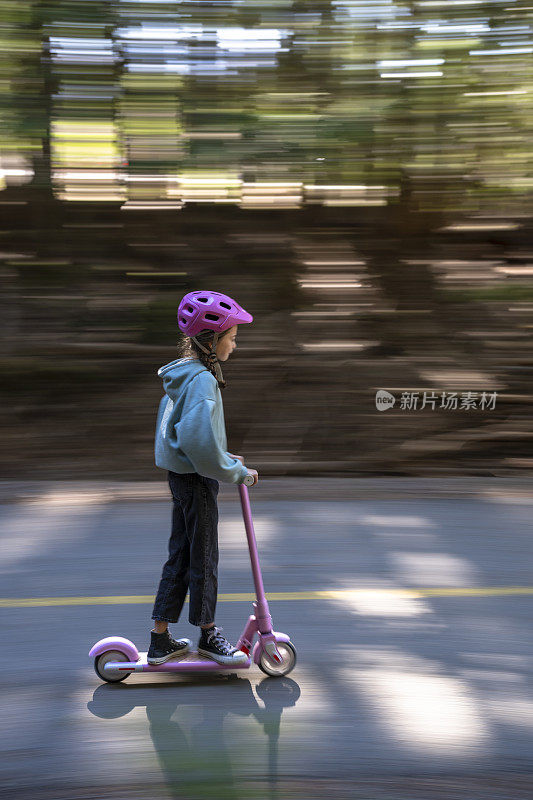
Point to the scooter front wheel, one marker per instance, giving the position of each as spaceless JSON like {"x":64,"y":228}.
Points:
{"x":111,"y":676}
{"x":288,"y":655}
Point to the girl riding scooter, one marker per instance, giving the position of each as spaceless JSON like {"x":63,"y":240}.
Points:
{"x":191,"y":445}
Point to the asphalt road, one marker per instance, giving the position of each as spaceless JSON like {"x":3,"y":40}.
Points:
{"x":396,"y":694}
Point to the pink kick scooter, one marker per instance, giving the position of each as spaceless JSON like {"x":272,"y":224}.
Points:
{"x":116,"y":657}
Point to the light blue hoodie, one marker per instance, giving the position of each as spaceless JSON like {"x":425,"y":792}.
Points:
{"x":191,"y":433}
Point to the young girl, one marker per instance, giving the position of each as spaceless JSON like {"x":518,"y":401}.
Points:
{"x":191,"y":444}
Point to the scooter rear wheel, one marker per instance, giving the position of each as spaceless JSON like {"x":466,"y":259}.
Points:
{"x":112,"y":676}
{"x":288,"y":654}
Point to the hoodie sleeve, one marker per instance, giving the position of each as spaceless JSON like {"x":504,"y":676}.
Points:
{"x":200,"y":438}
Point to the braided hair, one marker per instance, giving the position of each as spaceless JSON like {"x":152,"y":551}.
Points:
{"x":188,"y":348}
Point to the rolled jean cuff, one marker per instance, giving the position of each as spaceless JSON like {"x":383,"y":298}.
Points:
{"x":206,"y":622}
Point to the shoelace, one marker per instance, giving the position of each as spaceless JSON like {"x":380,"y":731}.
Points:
{"x":219,"y":640}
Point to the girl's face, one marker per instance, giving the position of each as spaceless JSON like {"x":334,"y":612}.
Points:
{"x":227,"y":344}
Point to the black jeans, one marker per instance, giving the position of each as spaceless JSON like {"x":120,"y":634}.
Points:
{"x":193,"y":551}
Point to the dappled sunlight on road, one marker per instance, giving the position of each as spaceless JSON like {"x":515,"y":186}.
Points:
{"x":417,"y":702}
{"x":384,"y":603}
{"x":434,"y":569}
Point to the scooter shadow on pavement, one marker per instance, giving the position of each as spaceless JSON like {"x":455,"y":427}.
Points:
{"x":198,"y":764}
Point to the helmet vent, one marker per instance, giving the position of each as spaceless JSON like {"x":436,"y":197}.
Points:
{"x":183,"y":321}
{"x":190,"y":309}
{"x":225,"y":305}
{"x":214,"y":317}
{"x":202,"y":299}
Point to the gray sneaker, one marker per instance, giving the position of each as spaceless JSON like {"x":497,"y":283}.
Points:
{"x":213,"y":645}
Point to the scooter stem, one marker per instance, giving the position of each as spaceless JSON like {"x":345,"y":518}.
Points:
{"x":263,"y":613}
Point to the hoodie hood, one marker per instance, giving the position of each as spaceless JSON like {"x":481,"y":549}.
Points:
{"x":178,"y":374}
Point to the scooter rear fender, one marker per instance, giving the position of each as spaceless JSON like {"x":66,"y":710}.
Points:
{"x":115,"y":643}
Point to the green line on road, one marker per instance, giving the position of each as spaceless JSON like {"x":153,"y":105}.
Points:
{"x":240,"y":597}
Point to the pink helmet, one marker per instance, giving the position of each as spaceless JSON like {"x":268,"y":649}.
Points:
{"x":213,"y":310}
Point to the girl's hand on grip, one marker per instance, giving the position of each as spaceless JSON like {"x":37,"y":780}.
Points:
{"x":254,"y":474}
